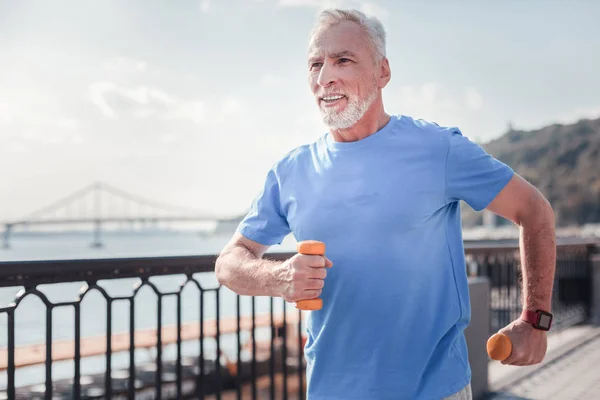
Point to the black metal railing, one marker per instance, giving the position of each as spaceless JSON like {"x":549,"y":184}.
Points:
{"x":572,"y":289}
{"x":212,"y":342}
{"x":275,"y":363}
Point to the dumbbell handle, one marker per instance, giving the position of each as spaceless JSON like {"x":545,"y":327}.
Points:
{"x":315,"y":248}
{"x":499,"y":347}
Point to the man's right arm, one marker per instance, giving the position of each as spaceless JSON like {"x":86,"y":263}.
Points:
{"x":242,"y":268}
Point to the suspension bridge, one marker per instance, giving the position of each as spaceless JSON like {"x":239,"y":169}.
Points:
{"x":99,"y":205}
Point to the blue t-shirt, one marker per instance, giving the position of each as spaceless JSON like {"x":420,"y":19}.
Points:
{"x":396,"y":301}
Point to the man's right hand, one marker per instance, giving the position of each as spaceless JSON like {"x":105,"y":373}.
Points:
{"x":302,"y":277}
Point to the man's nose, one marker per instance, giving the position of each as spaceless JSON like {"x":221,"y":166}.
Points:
{"x":326,"y":75}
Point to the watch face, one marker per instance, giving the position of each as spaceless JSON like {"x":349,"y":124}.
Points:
{"x":544,"y":321}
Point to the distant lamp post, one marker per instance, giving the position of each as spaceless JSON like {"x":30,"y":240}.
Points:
{"x":490,"y":220}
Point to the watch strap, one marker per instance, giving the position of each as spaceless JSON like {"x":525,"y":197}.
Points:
{"x":530,"y":316}
{"x":535,"y":317}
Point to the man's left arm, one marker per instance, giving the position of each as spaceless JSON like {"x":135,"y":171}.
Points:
{"x":523,"y":204}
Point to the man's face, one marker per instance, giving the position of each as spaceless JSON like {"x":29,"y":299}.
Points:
{"x":342,"y":74}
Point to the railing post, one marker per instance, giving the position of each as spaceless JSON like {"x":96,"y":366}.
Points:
{"x":7,"y":229}
{"x":594,"y":259}
{"x":477,"y":334}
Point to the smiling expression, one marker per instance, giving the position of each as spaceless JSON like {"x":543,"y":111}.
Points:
{"x":342,"y":74}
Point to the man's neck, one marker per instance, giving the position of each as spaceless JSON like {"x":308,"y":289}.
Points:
{"x":365,"y":127}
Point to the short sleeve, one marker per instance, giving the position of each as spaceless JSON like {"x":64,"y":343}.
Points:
{"x":473,"y":175}
{"x":266,"y":222}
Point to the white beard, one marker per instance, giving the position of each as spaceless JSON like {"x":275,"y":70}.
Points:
{"x":351,"y":114}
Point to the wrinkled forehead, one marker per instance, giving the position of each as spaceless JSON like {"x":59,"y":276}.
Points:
{"x":342,"y":39}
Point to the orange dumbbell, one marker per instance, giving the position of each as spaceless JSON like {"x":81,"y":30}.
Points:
{"x":313,"y":248}
{"x":499,"y":347}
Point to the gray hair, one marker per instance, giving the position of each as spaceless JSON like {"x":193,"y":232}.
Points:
{"x":376,"y":35}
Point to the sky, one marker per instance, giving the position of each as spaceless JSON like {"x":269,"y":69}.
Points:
{"x":191,"y":102}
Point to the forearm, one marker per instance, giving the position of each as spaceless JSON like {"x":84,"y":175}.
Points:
{"x":241,"y":271}
{"x":538,"y":258}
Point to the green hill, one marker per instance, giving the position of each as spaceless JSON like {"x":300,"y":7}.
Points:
{"x":562,"y":161}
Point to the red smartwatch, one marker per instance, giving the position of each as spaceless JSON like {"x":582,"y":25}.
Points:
{"x":539,"y":319}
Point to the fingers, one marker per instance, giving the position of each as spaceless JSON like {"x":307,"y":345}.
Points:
{"x":304,"y":276}
{"x":522,"y":359}
{"x":529,"y":345}
{"x":303,"y":273}
{"x":519,"y":362}
{"x":316,"y":261}
{"x":315,"y":284}
{"x":515,"y":355}
{"x":310,"y":294}
{"x":317,"y":273}
{"x":304,"y":295}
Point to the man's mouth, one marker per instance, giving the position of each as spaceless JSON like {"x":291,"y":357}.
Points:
{"x":332,"y":98}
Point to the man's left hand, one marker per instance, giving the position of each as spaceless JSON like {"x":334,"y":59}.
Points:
{"x":528,"y":344}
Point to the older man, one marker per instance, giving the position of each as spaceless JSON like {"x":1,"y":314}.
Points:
{"x":383,"y":192}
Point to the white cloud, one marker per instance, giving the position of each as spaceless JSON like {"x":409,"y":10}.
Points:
{"x":473,"y":99}
{"x":30,"y":111}
{"x":271,"y":81}
{"x":170,"y":137}
{"x":430,"y":97}
{"x":194,"y":111}
{"x":300,"y":3}
{"x":125,"y":65}
{"x":66,"y":123}
{"x":41,"y":136}
{"x":590,"y":112}
{"x":5,"y":113}
{"x":374,"y":9}
{"x":16,"y":148}
{"x":434,"y":102}
{"x":145,"y":102}
{"x":566,"y":118}
{"x":424,"y":97}
{"x":232,"y":107}
{"x":368,"y":7}
{"x":141,"y":95}
{"x":96,"y":97}
{"x":204,"y":6}
{"x":143,"y":113}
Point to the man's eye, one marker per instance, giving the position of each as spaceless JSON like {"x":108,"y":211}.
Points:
{"x":344,"y":60}
{"x":315,"y":65}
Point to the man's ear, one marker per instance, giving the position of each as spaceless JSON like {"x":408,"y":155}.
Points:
{"x":385,"y":73}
